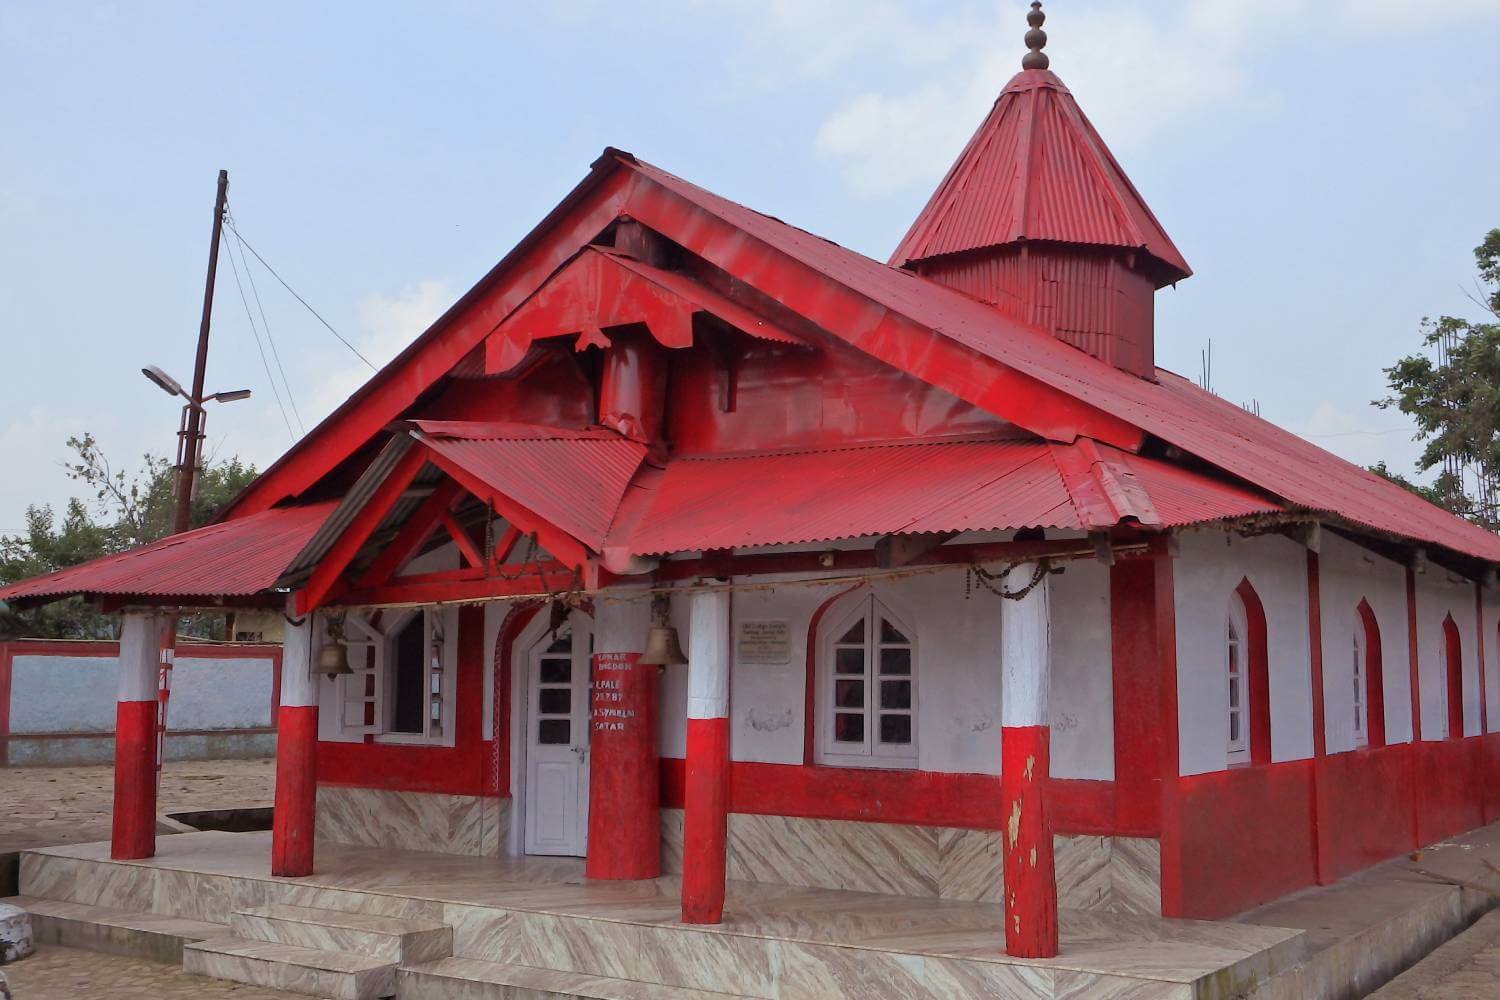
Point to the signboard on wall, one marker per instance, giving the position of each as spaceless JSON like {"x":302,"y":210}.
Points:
{"x":767,"y":642}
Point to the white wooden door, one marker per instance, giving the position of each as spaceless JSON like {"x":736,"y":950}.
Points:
{"x":557,"y":741}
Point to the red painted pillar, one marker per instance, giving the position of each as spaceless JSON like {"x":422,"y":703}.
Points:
{"x":295,"y":816}
{"x":624,"y":772}
{"x":705,"y":823}
{"x":1321,"y":819}
{"x":134,"y":822}
{"x":1030,"y":897}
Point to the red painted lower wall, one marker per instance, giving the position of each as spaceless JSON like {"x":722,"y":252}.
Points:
{"x":1448,"y":788}
{"x":1368,"y":798}
{"x":1489,"y":776}
{"x":928,"y":798}
{"x":1243,"y":837}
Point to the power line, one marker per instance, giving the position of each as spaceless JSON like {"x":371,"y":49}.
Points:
{"x":258,"y":345}
{"x":265,"y":325}
{"x":248,"y":246}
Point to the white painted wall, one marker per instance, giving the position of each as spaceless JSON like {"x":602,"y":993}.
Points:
{"x":1348,"y":574}
{"x":77,"y":694}
{"x":1209,"y":566}
{"x":958,"y":685}
{"x":1439,"y":595}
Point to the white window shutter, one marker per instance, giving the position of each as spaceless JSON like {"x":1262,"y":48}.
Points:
{"x":361,"y":693}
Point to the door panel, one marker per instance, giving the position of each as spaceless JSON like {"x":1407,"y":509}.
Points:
{"x":557,"y":741}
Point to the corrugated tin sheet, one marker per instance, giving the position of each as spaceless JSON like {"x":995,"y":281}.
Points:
{"x":1037,"y":170}
{"x":830,"y":493}
{"x":231,"y":559}
{"x":1171,"y":408}
{"x":355,"y":499}
{"x":572,"y":479}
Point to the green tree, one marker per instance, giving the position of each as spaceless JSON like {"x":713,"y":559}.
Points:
{"x":1452,"y":390}
{"x":127,"y":508}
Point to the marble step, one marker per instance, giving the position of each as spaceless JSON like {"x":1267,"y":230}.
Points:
{"x":117,"y":932}
{"x":472,"y":979}
{"x":341,"y":975}
{"x":392,"y":939}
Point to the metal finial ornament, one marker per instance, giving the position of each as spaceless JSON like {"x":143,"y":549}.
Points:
{"x":1036,"y":39}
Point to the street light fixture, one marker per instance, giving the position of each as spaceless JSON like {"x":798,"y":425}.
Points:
{"x":168,"y":384}
{"x":190,"y":434}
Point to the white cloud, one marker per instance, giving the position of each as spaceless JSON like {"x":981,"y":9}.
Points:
{"x":1364,"y":439}
{"x":388,"y":323}
{"x":1135,"y":69}
{"x":1385,"y":14}
{"x":35,"y":448}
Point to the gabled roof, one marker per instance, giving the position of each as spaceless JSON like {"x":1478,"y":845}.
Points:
{"x":916,"y":325}
{"x":234,"y":559}
{"x":571,"y":479}
{"x":1037,"y":170}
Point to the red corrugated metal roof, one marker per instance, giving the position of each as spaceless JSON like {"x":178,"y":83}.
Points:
{"x":232,"y":559}
{"x":818,"y":495}
{"x":1037,"y":170}
{"x":1171,"y":408}
{"x":572,"y":479}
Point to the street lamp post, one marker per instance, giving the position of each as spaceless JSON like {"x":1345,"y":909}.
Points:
{"x":190,"y":433}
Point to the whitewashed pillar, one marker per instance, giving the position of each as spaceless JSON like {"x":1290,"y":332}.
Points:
{"x":706,"y":793}
{"x":1025,"y":736}
{"x":133,"y":833}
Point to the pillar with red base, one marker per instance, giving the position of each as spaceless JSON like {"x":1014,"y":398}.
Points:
{"x":1030,"y":897}
{"x":296,"y":753}
{"x":134,"y":822}
{"x":705,"y":822}
{"x":624,"y":778}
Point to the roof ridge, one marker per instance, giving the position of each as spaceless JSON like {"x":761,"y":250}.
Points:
{"x":997,"y":438}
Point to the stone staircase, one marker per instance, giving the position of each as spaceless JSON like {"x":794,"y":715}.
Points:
{"x":471,"y":979}
{"x":329,"y":953}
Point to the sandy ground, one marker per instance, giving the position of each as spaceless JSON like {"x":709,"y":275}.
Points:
{"x":47,"y":806}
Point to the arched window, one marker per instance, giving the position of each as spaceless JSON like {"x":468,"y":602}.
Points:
{"x":1453,"y":670}
{"x":1246,"y":670}
{"x":1235,"y":631}
{"x":1369,"y":680}
{"x":869,"y":688}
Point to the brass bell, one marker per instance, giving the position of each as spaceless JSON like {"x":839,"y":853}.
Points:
{"x":333,"y":659}
{"x":663,"y":648}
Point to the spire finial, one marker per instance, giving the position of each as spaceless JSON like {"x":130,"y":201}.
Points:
{"x":1036,"y":39}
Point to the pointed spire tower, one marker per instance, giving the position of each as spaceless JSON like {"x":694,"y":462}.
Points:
{"x":1037,"y":219}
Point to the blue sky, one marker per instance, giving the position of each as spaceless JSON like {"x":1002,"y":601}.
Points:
{"x":1326,"y":168}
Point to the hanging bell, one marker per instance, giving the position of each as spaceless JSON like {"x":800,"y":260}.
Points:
{"x":662,"y":648}
{"x":333,"y":659}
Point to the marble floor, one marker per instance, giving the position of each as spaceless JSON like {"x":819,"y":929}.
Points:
{"x":1127,"y":950}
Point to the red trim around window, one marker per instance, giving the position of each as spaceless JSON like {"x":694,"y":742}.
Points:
{"x":1259,"y":681}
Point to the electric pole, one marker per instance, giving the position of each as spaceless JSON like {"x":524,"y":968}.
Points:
{"x":190,"y":435}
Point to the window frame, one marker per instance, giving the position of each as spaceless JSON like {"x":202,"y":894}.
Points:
{"x":870,"y":753}
{"x":1236,"y":669}
{"x":1361,"y":689}
{"x":434,"y":619}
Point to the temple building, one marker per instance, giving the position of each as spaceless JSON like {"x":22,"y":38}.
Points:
{"x":692,"y":565}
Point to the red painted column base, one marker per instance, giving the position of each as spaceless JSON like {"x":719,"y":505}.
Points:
{"x":1030,"y":883}
{"x":624,"y":773}
{"x":296,"y":790}
{"x":133,"y":833}
{"x":705,"y":821}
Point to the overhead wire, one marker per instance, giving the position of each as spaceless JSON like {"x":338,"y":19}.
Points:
{"x":229,"y":252}
{"x":306,"y":305}
{"x":266,"y":326}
